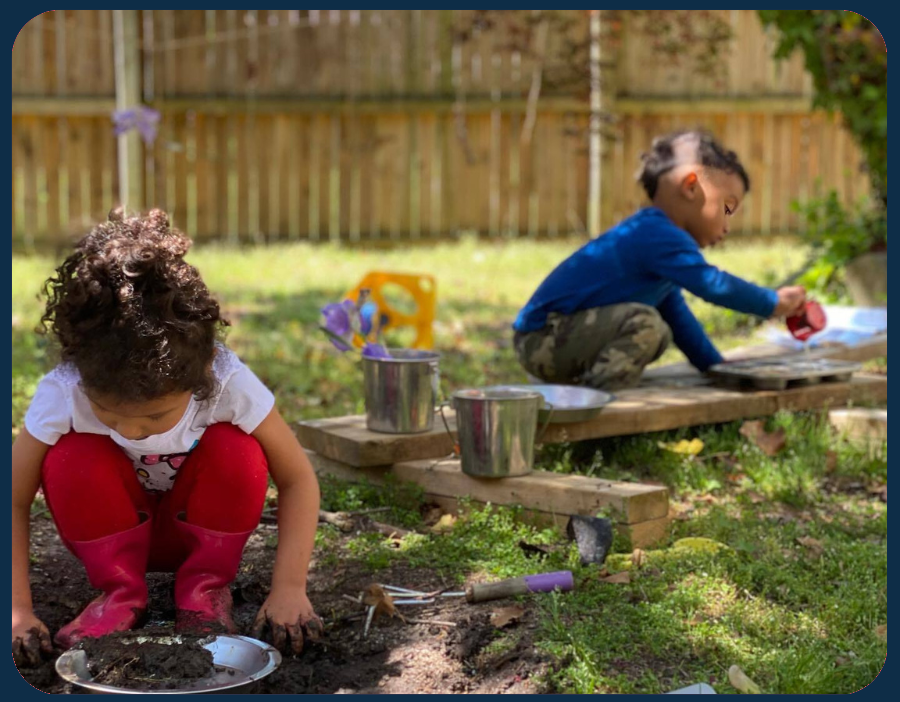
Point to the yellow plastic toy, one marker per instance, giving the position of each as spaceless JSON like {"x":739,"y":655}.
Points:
{"x":422,"y":288}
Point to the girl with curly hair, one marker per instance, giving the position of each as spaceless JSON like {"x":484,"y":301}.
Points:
{"x":153,"y":444}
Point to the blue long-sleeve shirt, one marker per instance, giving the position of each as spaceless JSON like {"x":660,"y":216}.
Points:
{"x":647,"y":259}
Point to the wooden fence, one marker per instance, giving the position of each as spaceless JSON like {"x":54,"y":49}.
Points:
{"x":376,"y":125}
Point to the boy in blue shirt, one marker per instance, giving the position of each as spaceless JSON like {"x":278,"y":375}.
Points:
{"x":614,"y":305}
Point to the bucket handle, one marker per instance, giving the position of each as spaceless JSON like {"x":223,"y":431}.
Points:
{"x":543,"y":430}
{"x":448,"y":403}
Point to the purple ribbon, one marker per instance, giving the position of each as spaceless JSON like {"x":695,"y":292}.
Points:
{"x":144,"y":119}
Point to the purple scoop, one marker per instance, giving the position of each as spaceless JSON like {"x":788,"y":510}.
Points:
{"x":547,"y":582}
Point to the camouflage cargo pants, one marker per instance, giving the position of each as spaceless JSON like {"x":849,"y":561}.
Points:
{"x":603,"y":347}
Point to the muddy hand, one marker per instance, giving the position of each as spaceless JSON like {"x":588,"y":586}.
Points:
{"x":29,"y":648}
{"x":289,"y":619}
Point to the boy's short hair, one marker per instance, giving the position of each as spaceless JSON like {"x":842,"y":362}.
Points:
{"x":662,"y":158}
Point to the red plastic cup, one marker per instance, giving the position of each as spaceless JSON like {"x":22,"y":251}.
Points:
{"x":811,"y":321}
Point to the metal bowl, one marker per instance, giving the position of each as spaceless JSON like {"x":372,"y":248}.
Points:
{"x":567,"y":403}
{"x":251,"y":661}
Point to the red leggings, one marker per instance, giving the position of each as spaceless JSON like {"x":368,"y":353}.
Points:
{"x":92,"y":490}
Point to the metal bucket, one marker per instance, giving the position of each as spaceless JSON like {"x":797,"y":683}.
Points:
{"x":401,"y":391}
{"x":496,"y":430}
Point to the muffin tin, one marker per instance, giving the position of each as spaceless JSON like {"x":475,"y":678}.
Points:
{"x":769,"y":374}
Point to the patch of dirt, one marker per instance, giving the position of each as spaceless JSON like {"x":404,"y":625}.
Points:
{"x":397,"y":656}
{"x":120,"y":661}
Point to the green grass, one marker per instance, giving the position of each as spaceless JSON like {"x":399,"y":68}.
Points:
{"x":786,"y":614}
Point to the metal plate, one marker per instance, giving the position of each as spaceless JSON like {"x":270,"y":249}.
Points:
{"x":249,"y":659}
{"x":567,"y":403}
{"x":778,"y":374}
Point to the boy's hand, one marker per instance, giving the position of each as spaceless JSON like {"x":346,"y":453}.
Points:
{"x":790,"y":301}
{"x":30,"y":639}
{"x":289,"y":616}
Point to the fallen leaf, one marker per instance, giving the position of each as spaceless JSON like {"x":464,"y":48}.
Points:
{"x":622,"y":578}
{"x":445,"y":523}
{"x":816,"y":548}
{"x":770,"y":443}
{"x":603,"y":572}
{"x":755,"y":497}
{"x":638,"y":557}
{"x":841,"y":660}
{"x":505,"y":615}
{"x":375,"y":596}
{"x":831,"y":459}
{"x":683,"y":447}
{"x":741,"y":682}
{"x":881,"y":631}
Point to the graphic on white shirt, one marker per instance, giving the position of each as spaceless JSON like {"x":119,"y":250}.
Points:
{"x":161,"y":469}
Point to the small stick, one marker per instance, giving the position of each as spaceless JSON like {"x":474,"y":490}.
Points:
{"x":355,"y":600}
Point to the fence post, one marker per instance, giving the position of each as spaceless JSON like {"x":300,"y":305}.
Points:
{"x":128,"y":94}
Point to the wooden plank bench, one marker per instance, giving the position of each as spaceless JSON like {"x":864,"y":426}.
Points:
{"x":636,"y":411}
{"x":641,"y":511}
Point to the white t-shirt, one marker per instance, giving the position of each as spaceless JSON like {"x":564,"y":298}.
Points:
{"x":60,"y":406}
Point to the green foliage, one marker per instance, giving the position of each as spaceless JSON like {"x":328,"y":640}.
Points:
{"x":847,"y":57}
{"x":839,"y":234}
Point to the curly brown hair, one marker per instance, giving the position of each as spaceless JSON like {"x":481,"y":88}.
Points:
{"x":134,"y":318}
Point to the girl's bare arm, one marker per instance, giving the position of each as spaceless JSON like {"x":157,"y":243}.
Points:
{"x":29,"y":635}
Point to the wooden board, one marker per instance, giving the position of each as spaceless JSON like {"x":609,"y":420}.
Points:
{"x":552,"y":493}
{"x":635,"y":411}
{"x":642,"y":535}
{"x":347,"y":440}
{"x":860,"y":423}
{"x":657,"y":409}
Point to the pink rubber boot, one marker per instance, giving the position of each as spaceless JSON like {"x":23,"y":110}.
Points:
{"x":202,"y":593}
{"x":115,"y":564}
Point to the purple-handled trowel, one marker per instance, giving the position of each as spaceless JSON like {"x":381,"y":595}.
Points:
{"x":544,"y":582}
